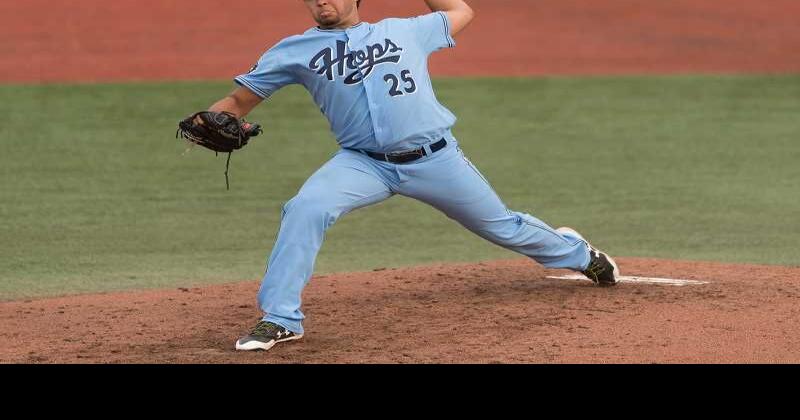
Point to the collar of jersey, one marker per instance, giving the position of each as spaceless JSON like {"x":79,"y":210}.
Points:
{"x":339,"y":30}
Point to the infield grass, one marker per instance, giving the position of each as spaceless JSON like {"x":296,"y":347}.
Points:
{"x":97,"y":195}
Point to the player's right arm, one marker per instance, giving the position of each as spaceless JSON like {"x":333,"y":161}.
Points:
{"x":458,"y":13}
{"x":240,"y":102}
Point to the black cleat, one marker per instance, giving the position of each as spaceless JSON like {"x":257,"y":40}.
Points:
{"x":265,"y":335}
{"x":602,"y":269}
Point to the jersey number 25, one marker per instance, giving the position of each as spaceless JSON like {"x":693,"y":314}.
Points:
{"x":409,"y":86}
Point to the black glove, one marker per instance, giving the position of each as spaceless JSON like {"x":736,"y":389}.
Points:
{"x":221,"y":132}
{"x":218,"y":131}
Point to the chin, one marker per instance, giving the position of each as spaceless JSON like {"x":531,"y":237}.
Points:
{"x":328,"y":21}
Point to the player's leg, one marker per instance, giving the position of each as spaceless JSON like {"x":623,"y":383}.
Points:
{"x":343,"y":184}
{"x":450,"y":183}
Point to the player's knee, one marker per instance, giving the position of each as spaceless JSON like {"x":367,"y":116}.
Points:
{"x":503,"y":231}
{"x":506,"y":233}
{"x":304,"y":206}
{"x":502,"y":237}
{"x":309,"y":210}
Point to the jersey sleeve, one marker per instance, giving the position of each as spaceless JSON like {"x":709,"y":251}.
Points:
{"x":432,"y":31}
{"x":271,"y":73}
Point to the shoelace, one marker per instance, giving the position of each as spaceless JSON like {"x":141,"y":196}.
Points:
{"x":595,"y":268}
{"x":265,"y":329}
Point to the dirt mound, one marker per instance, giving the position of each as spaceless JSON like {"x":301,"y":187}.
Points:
{"x":503,"y":311}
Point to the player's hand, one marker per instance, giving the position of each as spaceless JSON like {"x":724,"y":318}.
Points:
{"x":251,"y":130}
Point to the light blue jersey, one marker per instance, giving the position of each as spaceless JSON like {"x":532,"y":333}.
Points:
{"x":371,"y":81}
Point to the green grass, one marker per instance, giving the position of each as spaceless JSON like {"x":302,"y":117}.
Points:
{"x":97,"y":195}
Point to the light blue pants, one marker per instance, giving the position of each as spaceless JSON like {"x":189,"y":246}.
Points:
{"x":350,"y":180}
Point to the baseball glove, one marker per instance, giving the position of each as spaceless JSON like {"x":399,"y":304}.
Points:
{"x":221,"y":132}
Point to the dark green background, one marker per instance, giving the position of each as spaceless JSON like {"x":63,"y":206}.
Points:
{"x":98,"y":195}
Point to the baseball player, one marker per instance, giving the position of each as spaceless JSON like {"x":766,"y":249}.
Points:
{"x":371,"y":82}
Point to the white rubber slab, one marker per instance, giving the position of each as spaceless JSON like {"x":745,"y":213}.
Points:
{"x":634,"y":279}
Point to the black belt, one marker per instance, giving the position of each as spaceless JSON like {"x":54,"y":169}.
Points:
{"x":408,"y":155}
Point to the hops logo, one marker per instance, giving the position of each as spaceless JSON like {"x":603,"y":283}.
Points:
{"x":361,"y":62}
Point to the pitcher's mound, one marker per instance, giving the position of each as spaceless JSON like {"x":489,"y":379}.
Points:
{"x":501,"y":311}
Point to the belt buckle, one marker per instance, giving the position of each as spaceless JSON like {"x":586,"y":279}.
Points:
{"x":415,"y":152}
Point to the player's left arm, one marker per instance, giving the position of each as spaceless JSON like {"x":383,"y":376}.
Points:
{"x":458,"y":13}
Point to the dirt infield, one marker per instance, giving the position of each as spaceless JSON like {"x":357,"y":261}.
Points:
{"x":96,"y":40}
{"x":505,"y":311}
